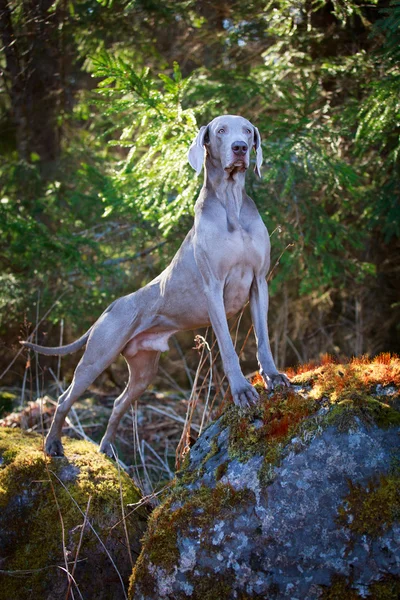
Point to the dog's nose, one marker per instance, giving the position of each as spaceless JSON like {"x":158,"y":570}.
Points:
{"x":239,"y":148}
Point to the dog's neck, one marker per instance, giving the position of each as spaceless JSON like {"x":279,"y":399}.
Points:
{"x":228,"y":187}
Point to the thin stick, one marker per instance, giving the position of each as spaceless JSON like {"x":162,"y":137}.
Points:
{"x":144,"y":500}
{"x":185,"y":365}
{"x":173,"y":382}
{"x":238,"y":325}
{"x":171,"y":416}
{"x":141,"y":453}
{"x":32,"y":334}
{"x":184,"y":443}
{"x":30,"y":571}
{"x":209,"y":386}
{"x":73,"y":580}
{"x":61,"y":521}
{"x":61,"y":343}
{"x":128,"y":545}
{"x":78,"y":550}
{"x":22,"y":401}
{"x":135,"y":450}
{"x":276,"y":265}
{"x":36,"y":354}
{"x":38,"y":394}
{"x":95,"y":533}
{"x":158,"y":457}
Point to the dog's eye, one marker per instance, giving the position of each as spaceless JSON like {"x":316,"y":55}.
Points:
{"x":222,"y":130}
{"x":248,"y":130}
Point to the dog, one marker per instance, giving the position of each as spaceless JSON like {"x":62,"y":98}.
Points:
{"x":222,"y":263}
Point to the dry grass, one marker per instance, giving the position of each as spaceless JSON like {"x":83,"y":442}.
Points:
{"x":163,"y":421}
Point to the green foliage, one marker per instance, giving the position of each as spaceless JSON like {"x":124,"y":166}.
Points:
{"x":378,"y":130}
{"x":154,"y":179}
{"x":320,"y":80}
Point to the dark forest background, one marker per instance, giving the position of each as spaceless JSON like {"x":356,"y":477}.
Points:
{"x":99,"y":102}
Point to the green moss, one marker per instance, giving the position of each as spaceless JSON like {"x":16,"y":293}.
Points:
{"x":7,"y":400}
{"x":213,"y":451}
{"x":208,"y":586}
{"x":33,"y":500}
{"x":366,"y":409}
{"x":185,"y":510}
{"x":340,"y":589}
{"x":266,"y":428}
{"x":387,"y":588}
{"x":344,"y":391}
{"x":186,"y":475}
{"x":373,"y":508}
{"x":220,"y":471}
{"x":339,"y":382}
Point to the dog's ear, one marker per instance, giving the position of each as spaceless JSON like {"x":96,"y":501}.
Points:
{"x":258,"y":150}
{"x":197,"y":150}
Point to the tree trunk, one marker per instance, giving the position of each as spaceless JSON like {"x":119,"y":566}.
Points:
{"x":31,"y":43}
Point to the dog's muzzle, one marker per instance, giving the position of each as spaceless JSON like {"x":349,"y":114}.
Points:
{"x":239,"y":158}
{"x":237,"y":165}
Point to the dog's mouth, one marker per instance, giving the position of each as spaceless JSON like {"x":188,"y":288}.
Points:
{"x":238,"y":165}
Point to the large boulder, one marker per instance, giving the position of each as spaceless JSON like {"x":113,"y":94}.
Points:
{"x":64,"y":515}
{"x":298,"y":497}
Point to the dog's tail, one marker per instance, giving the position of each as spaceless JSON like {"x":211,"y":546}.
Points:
{"x":60,"y":350}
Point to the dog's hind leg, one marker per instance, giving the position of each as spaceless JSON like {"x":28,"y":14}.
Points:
{"x":107,"y":340}
{"x":142,"y":369}
{"x":85,"y":374}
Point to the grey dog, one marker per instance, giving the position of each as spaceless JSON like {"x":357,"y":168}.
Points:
{"x":222,"y":262}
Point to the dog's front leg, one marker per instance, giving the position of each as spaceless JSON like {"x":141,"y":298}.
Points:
{"x":259,"y":312}
{"x":243,"y":392}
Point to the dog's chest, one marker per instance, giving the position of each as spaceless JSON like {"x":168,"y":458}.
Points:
{"x":245,"y":256}
{"x":244,"y":250}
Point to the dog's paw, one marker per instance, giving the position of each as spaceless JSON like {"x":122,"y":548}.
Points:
{"x":245,"y":395}
{"x":107,"y":449}
{"x":275,"y":380}
{"x":54,"y":448}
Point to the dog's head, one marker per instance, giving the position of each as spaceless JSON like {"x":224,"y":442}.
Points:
{"x":227,"y":140}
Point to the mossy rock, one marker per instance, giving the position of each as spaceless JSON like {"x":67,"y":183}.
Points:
{"x":297,"y":497}
{"x":64,"y":514}
{"x":7,"y":400}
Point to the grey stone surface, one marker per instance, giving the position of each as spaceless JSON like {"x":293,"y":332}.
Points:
{"x":285,"y":540}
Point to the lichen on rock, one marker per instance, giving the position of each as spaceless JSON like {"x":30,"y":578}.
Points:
{"x":283,"y":500}
{"x":64,"y":514}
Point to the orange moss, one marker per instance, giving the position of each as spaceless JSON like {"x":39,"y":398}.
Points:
{"x":283,"y":411}
{"x":268,"y":424}
{"x":257,"y":380}
{"x":349,"y":386}
{"x":265,"y":429}
{"x":324,"y":359}
{"x":383,"y":369}
{"x":357,"y":375}
{"x":385,"y":358}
